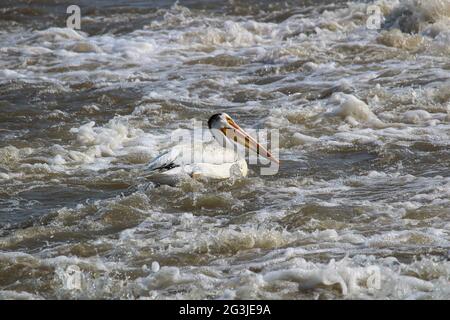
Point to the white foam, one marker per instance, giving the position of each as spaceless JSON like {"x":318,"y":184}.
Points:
{"x":10,"y":74}
{"x":355,"y":111}
{"x":59,"y":34}
{"x":155,"y":266}
{"x":303,"y":139}
{"x":106,"y":139}
{"x":18,"y":295}
{"x":416,"y":116}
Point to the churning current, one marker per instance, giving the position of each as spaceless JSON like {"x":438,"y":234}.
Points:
{"x":359,"y":93}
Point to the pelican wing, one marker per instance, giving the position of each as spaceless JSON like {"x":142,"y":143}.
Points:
{"x":203,"y":158}
{"x":165,"y":161}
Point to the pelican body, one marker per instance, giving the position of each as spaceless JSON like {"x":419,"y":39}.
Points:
{"x":219,"y":159}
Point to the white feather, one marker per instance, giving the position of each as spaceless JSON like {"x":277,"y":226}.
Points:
{"x":200,"y":159}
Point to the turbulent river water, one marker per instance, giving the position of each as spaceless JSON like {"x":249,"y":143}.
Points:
{"x":360,"y":207}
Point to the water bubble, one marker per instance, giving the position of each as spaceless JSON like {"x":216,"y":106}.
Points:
{"x":155,"y":266}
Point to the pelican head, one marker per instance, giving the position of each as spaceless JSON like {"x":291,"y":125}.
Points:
{"x":227,"y":132}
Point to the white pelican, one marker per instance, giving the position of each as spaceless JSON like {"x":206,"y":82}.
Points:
{"x":218,"y":159}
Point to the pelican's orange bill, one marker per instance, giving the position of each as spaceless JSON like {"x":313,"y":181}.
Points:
{"x":240,"y":136}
